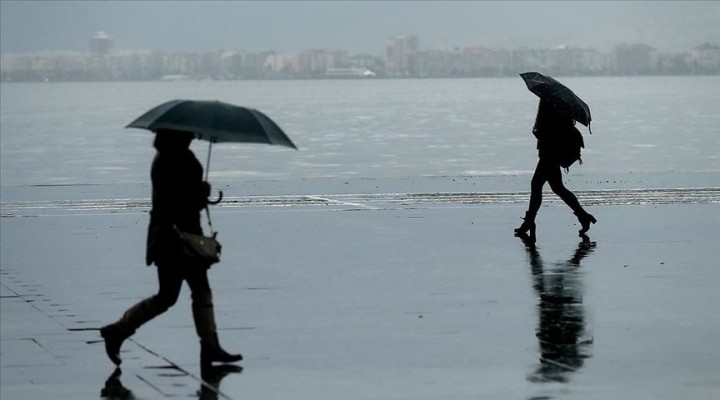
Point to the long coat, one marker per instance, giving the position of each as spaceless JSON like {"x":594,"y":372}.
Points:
{"x":178,"y":196}
{"x":551,"y":130}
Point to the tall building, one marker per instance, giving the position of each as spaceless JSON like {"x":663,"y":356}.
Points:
{"x":633,"y":59}
{"x":100,"y":43}
{"x":399,"y":49}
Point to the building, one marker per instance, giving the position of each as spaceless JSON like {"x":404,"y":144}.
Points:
{"x":531,"y":59}
{"x":706,"y":58}
{"x":481,"y":61}
{"x":367,"y":62}
{"x":177,"y":63}
{"x":634,"y":59}
{"x":100,"y":43}
{"x":398,"y":51}
{"x":315,"y":63}
{"x":430,"y":64}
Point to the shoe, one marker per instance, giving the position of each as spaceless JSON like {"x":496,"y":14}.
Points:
{"x":114,"y":337}
{"x":585,"y":220}
{"x":210,"y":351}
{"x":527,"y":228}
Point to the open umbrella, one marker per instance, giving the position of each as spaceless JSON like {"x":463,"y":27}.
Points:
{"x":549,"y":89}
{"x":215,"y":122}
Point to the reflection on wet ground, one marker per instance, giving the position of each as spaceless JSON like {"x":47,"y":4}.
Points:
{"x":563,"y":342}
{"x":209,"y":384}
{"x":114,"y":389}
{"x":212,"y":376}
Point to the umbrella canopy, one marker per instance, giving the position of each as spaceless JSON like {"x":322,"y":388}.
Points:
{"x":214,"y":121}
{"x":547,"y":88}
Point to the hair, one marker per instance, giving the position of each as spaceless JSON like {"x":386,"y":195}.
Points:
{"x":549,"y":117}
{"x":172,"y":140}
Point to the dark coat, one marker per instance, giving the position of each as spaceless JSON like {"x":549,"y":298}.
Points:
{"x":178,"y":196}
{"x":551,"y":128}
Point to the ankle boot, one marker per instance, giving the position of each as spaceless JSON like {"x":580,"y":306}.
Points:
{"x":210,"y":351}
{"x":585,"y":220}
{"x":114,"y":337}
{"x":528,"y":226}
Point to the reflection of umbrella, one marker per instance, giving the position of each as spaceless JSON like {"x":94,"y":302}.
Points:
{"x":213,"y":121}
{"x":547,"y":88}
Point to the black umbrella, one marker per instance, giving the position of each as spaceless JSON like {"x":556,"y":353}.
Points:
{"x":547,"y":88}
{"x":215,"y":122}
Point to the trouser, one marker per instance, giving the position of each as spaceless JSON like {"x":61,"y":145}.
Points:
{"x":549,"y":171}
{"x":170,"y":279}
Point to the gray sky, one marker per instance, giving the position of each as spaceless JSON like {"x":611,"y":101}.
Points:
{"x":355,"y":26}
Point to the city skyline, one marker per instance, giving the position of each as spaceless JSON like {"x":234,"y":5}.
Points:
{"x":357,"y":27}
{"x":403,"y":59}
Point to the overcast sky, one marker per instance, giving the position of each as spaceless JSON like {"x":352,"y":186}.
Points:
{"x":355,"y":26}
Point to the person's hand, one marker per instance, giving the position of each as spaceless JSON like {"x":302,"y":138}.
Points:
{"x":205,"y":189}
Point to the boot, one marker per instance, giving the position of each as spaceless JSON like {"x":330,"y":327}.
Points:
{"x":210,"y":351}
{"x":204,"y":316}
{"x":114,"y":337}
{"x":585,"y":220}
{"x":140,"y":313}
{"x":527,"y":229}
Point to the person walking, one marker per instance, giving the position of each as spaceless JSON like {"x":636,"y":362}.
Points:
{"x":551,"y":129}
{"x":178,"y":195}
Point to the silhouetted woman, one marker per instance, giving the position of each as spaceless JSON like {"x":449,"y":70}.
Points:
{"x":178,"y":195}
{"x":550,"y":124}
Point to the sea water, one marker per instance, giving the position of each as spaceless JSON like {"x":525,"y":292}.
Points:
{"x":74,"y":133}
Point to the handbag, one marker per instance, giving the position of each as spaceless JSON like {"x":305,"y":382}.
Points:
{"x":200,"y":248}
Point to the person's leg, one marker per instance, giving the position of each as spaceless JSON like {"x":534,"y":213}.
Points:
{"x":169,"y":282}
{"x":202,"y":302}
{"x":204,"y":317}
{"x":536,"y":185}
{"x":554,"y":175}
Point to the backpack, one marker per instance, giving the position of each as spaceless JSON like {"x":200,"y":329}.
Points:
{"x":568,"y":147}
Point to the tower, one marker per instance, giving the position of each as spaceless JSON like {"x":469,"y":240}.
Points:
{"x":100,"y":43}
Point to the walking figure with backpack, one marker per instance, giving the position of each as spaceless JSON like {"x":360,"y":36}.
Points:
{"x":558,"y":144}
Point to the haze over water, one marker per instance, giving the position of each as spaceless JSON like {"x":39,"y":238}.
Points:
{"x":73,"y":133}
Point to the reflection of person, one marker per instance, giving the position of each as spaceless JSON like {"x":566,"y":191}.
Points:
{"x":212,"y":376}
{"x":209,"y":386}
{"x":561,"y":324}
{"x":179,"y":194}
{"x":549,"y":123}
{"x":114,"y":389}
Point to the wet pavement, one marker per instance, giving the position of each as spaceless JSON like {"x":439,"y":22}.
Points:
{"x":374,"y":289}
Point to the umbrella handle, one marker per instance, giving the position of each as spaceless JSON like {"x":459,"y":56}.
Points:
{"x":219,"y":199}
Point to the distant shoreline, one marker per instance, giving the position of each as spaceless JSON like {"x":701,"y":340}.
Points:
{"x":209,"y":79}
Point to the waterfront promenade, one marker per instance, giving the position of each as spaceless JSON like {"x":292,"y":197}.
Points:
{"x":375,"y":289}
